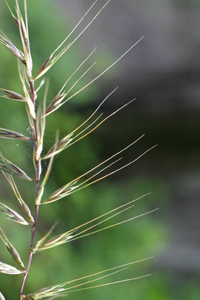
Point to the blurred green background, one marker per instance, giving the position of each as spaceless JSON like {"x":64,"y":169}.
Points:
{"x":137,"y":239}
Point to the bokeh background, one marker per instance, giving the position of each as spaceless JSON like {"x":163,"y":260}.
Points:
{"x":162,"y":72}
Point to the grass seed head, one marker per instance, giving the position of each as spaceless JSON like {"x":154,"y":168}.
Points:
{"x":12,"y":48}
{"x":12,"y":215}
{"x":8,"y":269}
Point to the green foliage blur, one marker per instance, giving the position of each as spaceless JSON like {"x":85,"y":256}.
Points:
{"x":132,"y":241}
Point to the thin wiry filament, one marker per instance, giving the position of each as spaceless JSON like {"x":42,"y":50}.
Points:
{"x":101,"y":122}
{"x":94,"y":111}
{"x":114,"y":225}
{"x":111,"y":283}
{"x":75,"y":27}
{"x":107,"y":213}
{"x":76,"y":70}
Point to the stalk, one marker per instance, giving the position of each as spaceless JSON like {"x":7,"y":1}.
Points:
{"x":37,"y":181}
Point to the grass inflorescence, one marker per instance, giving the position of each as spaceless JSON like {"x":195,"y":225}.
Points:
{"x":37,"y":111}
